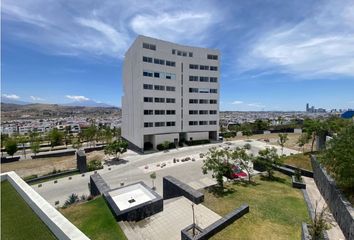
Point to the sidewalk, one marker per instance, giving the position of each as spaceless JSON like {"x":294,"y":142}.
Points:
{"x":334,"y":233}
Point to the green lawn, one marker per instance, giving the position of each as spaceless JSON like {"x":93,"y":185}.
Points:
{"x":276,"y":209}
{"x":94,"y":219}
{"x":18,"y":221}
{"x":299,"y":160}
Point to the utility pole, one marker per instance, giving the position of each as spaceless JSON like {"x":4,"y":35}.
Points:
{"x":193,"y":220}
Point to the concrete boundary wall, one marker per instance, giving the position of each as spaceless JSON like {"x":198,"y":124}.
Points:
{"x":341,"y":209}
{"x":217,"y":226}
{"x":98,"y":185}
{"x":172,"y":187}
{"x":61,"y":227}
{"x":304,"y":172}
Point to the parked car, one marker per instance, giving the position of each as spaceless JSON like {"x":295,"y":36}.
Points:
{"x":237,"y":172}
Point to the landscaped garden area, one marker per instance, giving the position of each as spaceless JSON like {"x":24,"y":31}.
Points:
{"x":300,"y":160}
{"x":18,"y":221}
{"x":94,"y":219}
{"x":276,"y":209}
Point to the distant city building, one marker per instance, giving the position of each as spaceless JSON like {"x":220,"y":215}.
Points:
{"x":171,"y":92}
{"x":314,"y":110}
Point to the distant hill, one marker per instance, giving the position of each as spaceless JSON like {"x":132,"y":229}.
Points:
{"x":11,"y":111}
{"x":89,"y":103}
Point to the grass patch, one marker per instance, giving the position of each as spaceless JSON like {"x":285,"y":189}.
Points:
{"x":276,"y":209}
{"x":299,"y":160}
{"x":94,"y":219}
{"x":18,"y":221}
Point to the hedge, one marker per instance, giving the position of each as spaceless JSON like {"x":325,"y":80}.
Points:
{"x":197,"y":142}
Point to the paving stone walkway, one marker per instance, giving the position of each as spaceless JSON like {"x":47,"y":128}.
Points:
{"x":334,"y":233}
{"x":177,"y":214}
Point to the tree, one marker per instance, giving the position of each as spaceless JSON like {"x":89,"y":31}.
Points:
{"x":153,"y":177}
{"x":217,"y":161}
{"x":90,"y":134}
{"x":35,"y":146}
{"x":77,"y":144}
{"x":244,"y":160}
{"x":247,"y":132}
{"x":267,"y":158}
{"x":303,"y":139}
{"x":116,"y":148}
{"x":315,"y":128}
{"x":22,"y":140}
{"x":338,"y":158}
{"x":11,"y":146}
{"x":318,"y":224}
{"x":108,"y":135}
{"x":55,"y":137}
{"x":283,"y":137}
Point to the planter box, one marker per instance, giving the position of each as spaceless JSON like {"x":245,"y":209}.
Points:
{"x":297,"y":184}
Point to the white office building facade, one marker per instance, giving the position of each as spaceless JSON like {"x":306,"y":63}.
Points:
{"x":171,"y":93}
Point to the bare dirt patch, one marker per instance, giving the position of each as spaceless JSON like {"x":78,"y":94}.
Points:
{"x":44,"y":166}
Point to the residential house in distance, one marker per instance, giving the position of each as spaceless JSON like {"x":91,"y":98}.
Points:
{"x":171,"y":93}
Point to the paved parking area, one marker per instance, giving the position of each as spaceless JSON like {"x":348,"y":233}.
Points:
{"x":177,"y":214}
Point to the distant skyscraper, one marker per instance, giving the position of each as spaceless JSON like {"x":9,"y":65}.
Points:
{"x":307,"y":107}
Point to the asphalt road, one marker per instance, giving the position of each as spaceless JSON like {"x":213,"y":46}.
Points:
{"x":132,"y":169}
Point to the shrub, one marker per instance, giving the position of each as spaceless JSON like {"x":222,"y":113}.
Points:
{"x":165,"y":145}
{"x":197,"y":142}
{"x":94,"y":165}
{"x":73,"y":198}
{"x":30,"y":177}
{"x":247,"y":146}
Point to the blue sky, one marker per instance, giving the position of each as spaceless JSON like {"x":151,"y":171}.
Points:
{"x":276,"y":55}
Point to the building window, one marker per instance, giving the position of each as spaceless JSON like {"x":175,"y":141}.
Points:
{"x":204,"y":67}
{"x":193,"y":78}
{"x":173,"y":51}
{"x":159,"y":61}
{"x":193,"y":90}
{"x":213,"y":90}
{"x":159,"y":87}
{"x":147,"y":74}
{"x":213,"y":112}
{"x":184,"y":54}
{"x":203,"y":112}
{"x":170,"y":88}
{"x":171,"y":112}
{"x":203,"y":90}
{"x":156,"y":75}
{"x":147,"y":59}
{"x":170,"y":63}
{"x":159,"y":112}
{"x":213,"y":101}
{"x":213,"y":79}
{"x":159,"y":100}
{"x":148,"y":99}
{"x":193,"y":123}
{"x":148,"y":112}
{"x":193,"y":112}
{"x":148,"y":86}
{"x":212,"y":57}
{"x":170,"y":100}
{"x":203,"y":122}
{"x":159,"y":124}
{"x":149,"y":46}
{"x":193,"y":66}
{"x":203,"y":101}
{"x":204,"y":79}
{"x":148,"y":124}
{"x":193,"y":101}
{"x":190,"y":54}
{"x":170,"y":124}
{"x":213,"y":68}
{"x":212,"y":122}
{"x":171,"y":76}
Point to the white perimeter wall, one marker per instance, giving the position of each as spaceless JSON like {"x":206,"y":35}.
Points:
{"x":160,"y":138}
{"x":61,"y":227}
{"x":197,"y":135}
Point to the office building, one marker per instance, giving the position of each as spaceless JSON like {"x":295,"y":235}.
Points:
{"x":171,"y":93}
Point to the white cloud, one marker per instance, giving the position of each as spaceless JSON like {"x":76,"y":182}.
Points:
{"x":177,"y":27}
{"x":78,"y":98}
{"x":11,"y":96}
{"x":110,"y":27}
{"x":237,"y":102}
{"x":34,"y":98}
{"x":256,"y":105}
{"x":321,"y":45}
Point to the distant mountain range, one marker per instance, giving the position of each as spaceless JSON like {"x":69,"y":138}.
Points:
{"x":88,"y":103}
